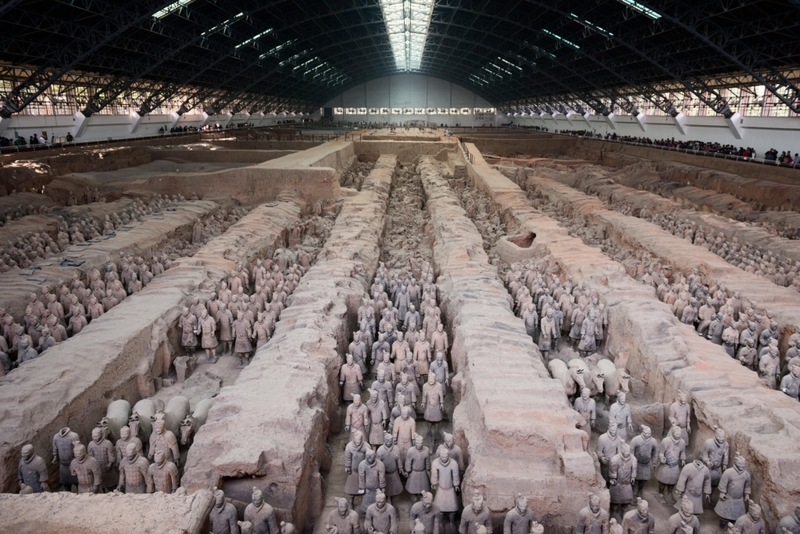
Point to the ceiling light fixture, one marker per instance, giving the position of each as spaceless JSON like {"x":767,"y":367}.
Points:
{"x":407,"y":23}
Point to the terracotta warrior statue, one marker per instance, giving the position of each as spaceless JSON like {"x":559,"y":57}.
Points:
{"x":715,"y":455}
{"x":592,"y":519}
{"x":223,"y":515}
{"x":519,"y":519}
{"x":354,"y":453}
{"x":63,"y":454}
{"x":446,"y":481}
{"x":672,"y":458}
{"x":350,"y":379}
{"x":390,"y":456}
{"x":681,"y":412}
{"x":685,"y":521}
{"x":695,"y":482}
{"x":433,"y":404}
{"x":261,"y":514}
{"x":427,"y":514}
{"x":608,"y":445}
{"x":381,"y":516}
{"x":207,"y":327}
{"x":133,"y":471}
{"x":621,"y":478}
{"x":164,"y":440}
{"x":751,"y":522}
{"x":475,"y":515}
{"x":371,"y":479}
{"x":645,"y":448}
{"x":357,"y":419}
{"x":343,"y":520}
{"x":162,"y":475}
{"x":32,"y":471}
{"x":86,"y":470}
{"x":103,"y":451}
{"x":453,"y":451}
{"x":418,"y":468}
{"x":639,"y":521}
{"x":734,"y":492}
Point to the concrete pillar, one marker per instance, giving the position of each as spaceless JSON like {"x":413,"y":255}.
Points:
{"x":136,"y":119}
{"x":680,"y":123}
{"x":572,"y":116}
{"x":640,"y":121}
{"x":610,"y":120}
{"x":81,"y":122}
{"x":735,"y":125}
{"x":4,"y":125}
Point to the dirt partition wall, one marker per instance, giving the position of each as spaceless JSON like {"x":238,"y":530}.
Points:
{"x":514,"y":421}
{"x":219,"y":156}
{"x":666,"y":356}
{"x":782,"y":302}
{"x":34,"y":171}
{"x":67,"y":513}
{"x":406,"y":151}
{"x":119,"y":354}
{"x":265,"y":145}
{"x":270,"y":428}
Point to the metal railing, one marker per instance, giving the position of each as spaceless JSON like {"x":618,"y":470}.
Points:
{"x":465,"y":150}
{"x":717,"y":155}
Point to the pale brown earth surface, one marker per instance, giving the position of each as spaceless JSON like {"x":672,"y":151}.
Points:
{"x":278,"y":424}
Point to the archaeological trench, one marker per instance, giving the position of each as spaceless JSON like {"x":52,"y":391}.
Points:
{"x":205,"y":299}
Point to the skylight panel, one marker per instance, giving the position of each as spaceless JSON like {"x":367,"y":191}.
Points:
{"x":407,"y":23}
{"x":559,"y":38}
{"x":586,"y":24}
{"x":171,"y":8}
{"x":223,"y":25}
{"x":253,"y":39}
{"x":644,"y":10}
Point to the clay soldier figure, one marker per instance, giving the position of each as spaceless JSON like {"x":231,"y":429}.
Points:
{"x":422,"y":355}
{"x":681,"y":412}
{"x":608,"y":445}
{"x":371,"y":479}
{"x":789,"y":524}
{"x":357,"y":418}
{"x":407,"y":390}
{"x":715,"y":455}
{"x":441,"y":371}
{"x":133,"y":471}
{"x":695,"y":481}
{"x":384,"y":389}
{"x":519,"y":519}
{"x":734,"y":492}
{"x":715,"y":330}
{"x":672,"y":457}
{"x":418,"y":468}
{"x":747,"y":353}
{"x":208,"y":328}
{"x":225,"y":318}
{"x":32,"y":471}
{"x":162,"y":475}
{"x":381,"y":516}
{"x":125,"y":438}
{"x":453,"y":450}
{"x":433,"y":404}
{"x":242,"y":333}
{"x":588,"y":342}
{"x":684,"y":522}
{"x":262,"y":330}
{"x":769,"y":366}
{"x":378,"y":349}
{"x":350,"y":378}
{"x":790,"y":384}
{"x":103,"y":451}
{"x":188,"y":325}
{"x":165,"y":440}
{"x":354,"y":453}
{"x":587,"y":408}
{"x":621,"y":412}
{"x":63,"y":454}
{"x":86,"y":469}
{"x":378,"y":417}
{"x":426,"y":514}
{"x":439,"y":341}
{"x":751,"y":522}
{"x":644,"y":448}
{"x":622,"y":477}
{"x":223,"y":515}
{"x":261,"y":515}
{"x":592,"y":519}
{"x":389,"y":455}
{"x":343,"y":520}
{"x":547,"y":332}
{"x":475,"y":515}
{"x":445,"y":480}
{"x":403,"y":432}
{"x":639,"y":521}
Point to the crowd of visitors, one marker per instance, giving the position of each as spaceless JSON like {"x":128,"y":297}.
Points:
{"x":785,"y":157}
